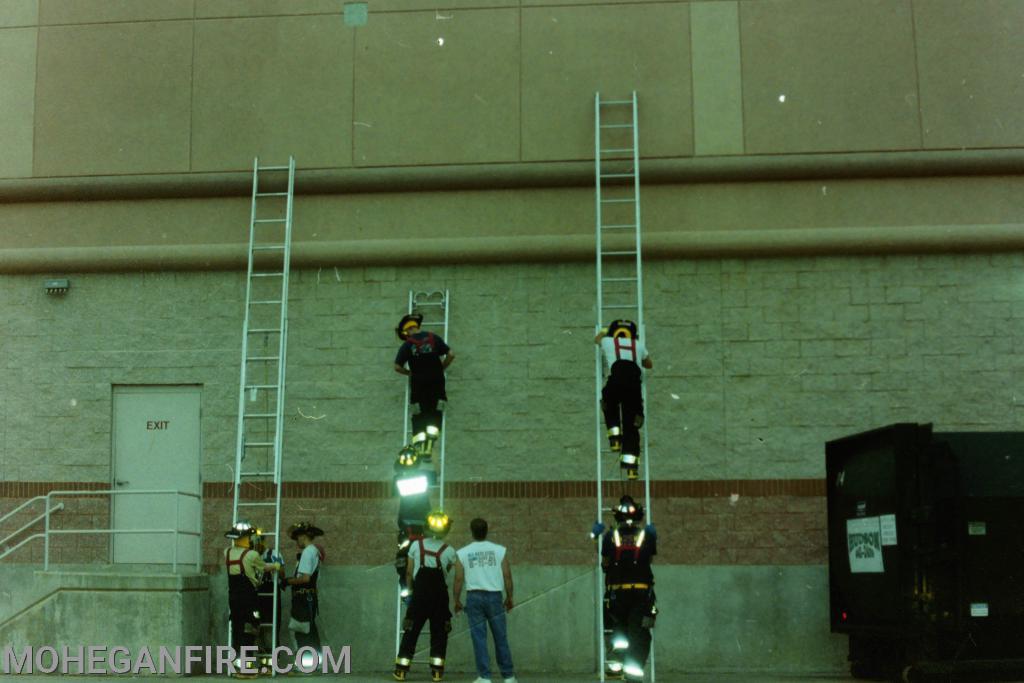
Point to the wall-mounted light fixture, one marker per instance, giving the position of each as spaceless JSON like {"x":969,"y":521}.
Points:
{"x":57,"y":286}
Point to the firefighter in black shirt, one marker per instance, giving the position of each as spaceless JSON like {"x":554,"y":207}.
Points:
{"x":423,"y":358}
{"x":630,"y":605}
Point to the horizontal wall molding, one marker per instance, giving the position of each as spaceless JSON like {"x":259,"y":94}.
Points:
{"x":678,"y":488}
{"x":503,"y":176}
{"x":537,"y":248}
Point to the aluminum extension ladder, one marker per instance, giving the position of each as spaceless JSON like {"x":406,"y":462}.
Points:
{"x":257,"y":472}
{"x":620,"y":291}
{"x":435,"y":306}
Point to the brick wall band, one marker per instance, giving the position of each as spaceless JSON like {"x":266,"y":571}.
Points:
{"x":545,"y":523}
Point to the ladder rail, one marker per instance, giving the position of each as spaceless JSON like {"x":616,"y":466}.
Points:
{"x":599,"y":377}
{"x":637,"y":253}
{"x":277,"y":391}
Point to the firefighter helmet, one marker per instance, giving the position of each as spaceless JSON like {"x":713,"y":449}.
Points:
{"x":628,"y":511}
{"x":240,"y":529}
{"x":438,"y":524}
{"x":623,"y":328}
{"x":304,"y":528}
{"x":408,"y":321}
{"x":407,"y":457}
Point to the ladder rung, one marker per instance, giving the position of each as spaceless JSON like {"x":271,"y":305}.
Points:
{"x":604,"y":102}
{"x":273,"y":168}
{"x":271,"y":220}
{"x":256,"y":505}
{"x":259,"y":444}
{"x":618,"y":279}
{"x":260,"y":415}
{"x":630,"y":200}
{"x":618,"y":306}
{"x":616,"y":125}
{"x":260,"y":386}
{"x":618,"y":253}
{"x":617,"y":175}
{"x":436,"y":322}
{"x":618,"y":226}
{"x":269,"y":247}
{"x":255,"y":474}
{"x":271,"y":194}
{"x":267,"y":275}
{"x":262,"y":358}
{"x":428,"y":303}
{"x":616,"y":150}
{"x":265,"y":329}
{"x":265,"y":301}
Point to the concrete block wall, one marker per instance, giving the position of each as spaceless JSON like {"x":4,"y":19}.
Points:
{"x":758,"y":362}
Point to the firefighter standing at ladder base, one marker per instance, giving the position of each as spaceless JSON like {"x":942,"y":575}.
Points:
{"x":622,"y":398}
{"x":431,"y":561}
{"x":305,"y":601}
{"x":245,"y":570}
{"x":626,"y":554}
{"x":427,"y":357}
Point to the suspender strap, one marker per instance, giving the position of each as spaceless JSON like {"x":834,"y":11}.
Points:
{"x":619,"y":347}
{"x":236,"y":563}
{"x":436,"y":554}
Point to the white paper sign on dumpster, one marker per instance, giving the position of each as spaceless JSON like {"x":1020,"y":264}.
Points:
{"x":864,"y":541}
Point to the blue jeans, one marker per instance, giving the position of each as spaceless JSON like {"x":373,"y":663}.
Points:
{"x":483,"y":608}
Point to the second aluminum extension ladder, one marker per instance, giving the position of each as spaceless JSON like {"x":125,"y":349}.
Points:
{"x":620,"y":291}
{"x":257,"y":472}
{"x":435,"y":307}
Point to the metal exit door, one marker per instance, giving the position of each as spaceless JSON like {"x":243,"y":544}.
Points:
{"x":156,"y":446}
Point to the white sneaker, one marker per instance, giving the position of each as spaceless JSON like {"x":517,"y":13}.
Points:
{"x":511,"y":680}
{"x":482,"y":680}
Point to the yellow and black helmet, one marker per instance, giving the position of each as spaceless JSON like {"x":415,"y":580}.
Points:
{"x":623,"y":328}
{"x":407,"y":322}
{"x":407,"y":457}
{"x":438,"y":523}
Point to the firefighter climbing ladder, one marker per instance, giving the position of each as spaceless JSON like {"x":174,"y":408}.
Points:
{"x":434,"y":306}
{"x":620,"y":292}
{"x":257,"y":473}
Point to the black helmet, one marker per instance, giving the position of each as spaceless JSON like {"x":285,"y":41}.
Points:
{"x":406,"y":322}
{"x":628,"y":511}
{"x":623,"y":328}
{"x":304,"y":528}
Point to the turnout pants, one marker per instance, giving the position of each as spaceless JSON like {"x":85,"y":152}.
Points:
{"x":425,"y":395}
{"x":628,"y":609}
{"x":623,"y":404}
{"x":306,"y":607}
{"x":244,"y":609}
{"x":432,"y":606}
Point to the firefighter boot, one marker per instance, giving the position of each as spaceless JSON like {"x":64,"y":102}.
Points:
{"x":402,"y":665}
{"x":615,"y":439}
{"x":631,"y":465}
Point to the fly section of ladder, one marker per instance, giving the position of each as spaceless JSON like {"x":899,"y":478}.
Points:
{"x":619,"y":286}
{"x":434,"y":306}
{"x":257,"y":471}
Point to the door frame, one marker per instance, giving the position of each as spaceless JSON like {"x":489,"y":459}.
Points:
{"x":121,"y":386}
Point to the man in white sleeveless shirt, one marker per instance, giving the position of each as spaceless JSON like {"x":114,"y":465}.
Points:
{"x":484,"y":569}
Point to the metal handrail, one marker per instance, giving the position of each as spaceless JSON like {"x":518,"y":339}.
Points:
{"x":175,"y":532}
{"x":27,"y":525}
{"x":20,"y":508}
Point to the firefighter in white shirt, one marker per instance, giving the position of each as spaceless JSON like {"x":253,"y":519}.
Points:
{"x":430,"y":563}
{"x":622,"y":398}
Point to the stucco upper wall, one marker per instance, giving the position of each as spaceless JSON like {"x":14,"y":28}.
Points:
{"x":110,"y":87}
